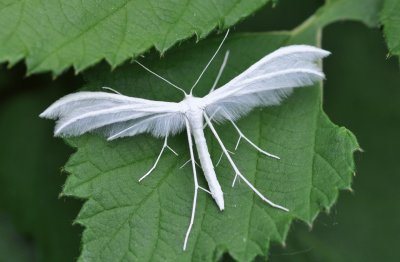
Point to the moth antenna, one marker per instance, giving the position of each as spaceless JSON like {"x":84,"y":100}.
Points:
{"x":209,"y":62}
{"x":162,"y":78}
{"x":196,"y":184}
{"x":221,"y":70}
{"x":111,"y":89}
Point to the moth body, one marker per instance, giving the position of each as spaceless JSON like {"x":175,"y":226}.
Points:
{"x":194,"y":111}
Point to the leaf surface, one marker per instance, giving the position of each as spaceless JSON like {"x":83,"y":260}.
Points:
{"x":391,"y":21}
{"x":53,"y":35}
{"x":127,"y":220}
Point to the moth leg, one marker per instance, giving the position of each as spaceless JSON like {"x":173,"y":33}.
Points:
{"x":187,"y":162}
{"x":165,"y":145}
{"x":237,"y":170}
{"x":205,"y":190}
{"x":196,"y":184}
{"x":241,"y":135}
{"x":220,"y":157}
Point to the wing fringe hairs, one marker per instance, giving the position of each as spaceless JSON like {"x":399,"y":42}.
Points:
{"x":265,"y":83}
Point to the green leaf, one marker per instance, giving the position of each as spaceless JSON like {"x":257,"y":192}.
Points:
{"x":128,"y":220}
{"x":53,"y":35}
{"x":391,"y":21}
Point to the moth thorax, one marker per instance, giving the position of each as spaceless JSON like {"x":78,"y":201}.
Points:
{"x":195,"y":117}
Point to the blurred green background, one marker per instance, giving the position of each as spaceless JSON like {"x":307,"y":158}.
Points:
{"x":362,"y":93}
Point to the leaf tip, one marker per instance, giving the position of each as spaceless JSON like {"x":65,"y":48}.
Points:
{"x":162,"y":52}
{"x":328,"y":210}
{"x":198,"y":36}
{"x":55,"y":75}
{"x":114,"y":66}
{"x":61,"y":195}
{"x":77,"y":71}
{"x":10,"y":64}
{"x":76,"y":222}
{"x":28,"y":73}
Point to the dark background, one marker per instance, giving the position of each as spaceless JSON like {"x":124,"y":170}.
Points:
{"x":362,"y":93}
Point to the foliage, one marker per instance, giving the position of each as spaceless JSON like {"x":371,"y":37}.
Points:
{"x":53,"y":35}
{"x":390,"y":19}
{"x":127,"y":220}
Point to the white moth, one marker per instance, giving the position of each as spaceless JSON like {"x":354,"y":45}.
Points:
{"x":265,"y":83}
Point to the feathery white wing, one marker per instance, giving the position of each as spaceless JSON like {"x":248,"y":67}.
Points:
{"x":114,"y":115}
{"x":266,"y":82}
